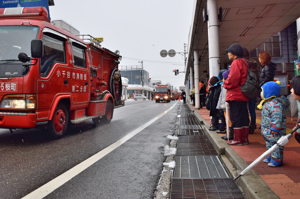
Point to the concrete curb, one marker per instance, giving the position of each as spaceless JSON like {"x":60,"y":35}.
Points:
{"x":251,"y":184}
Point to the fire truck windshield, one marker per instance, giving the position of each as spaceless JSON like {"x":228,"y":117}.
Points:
{"x":16,"y":39}
{"x":161,"y":90}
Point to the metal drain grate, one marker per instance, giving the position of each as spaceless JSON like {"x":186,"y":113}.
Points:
{"x":193,"y":139}
{"x":190,"y":132}
{"x":192,"y":149}
{"x":194,"y":127}
{"x":199,"y":167}
{"x":191,"y":120}
{"x":199,"y":172}
{"x":207,"y":188}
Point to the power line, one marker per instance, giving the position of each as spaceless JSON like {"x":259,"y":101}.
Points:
{"x":152,"y":61}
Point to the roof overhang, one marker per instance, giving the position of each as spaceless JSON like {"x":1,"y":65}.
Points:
{"x":249,"y":23}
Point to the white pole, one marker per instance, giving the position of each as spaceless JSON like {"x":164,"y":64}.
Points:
{"x":298,"y":38}
{"x":191,"y":82}
{"x":213,"y":38}
{"x":196,"y":74}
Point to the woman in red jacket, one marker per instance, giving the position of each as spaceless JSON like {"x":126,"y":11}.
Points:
{"x":239,"y":115}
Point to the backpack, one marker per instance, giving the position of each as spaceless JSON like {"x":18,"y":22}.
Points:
{"x":251,"y":88}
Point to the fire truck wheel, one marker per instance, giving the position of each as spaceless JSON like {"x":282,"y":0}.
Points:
{"x":108,"y":113}
{"x":57,"y":127}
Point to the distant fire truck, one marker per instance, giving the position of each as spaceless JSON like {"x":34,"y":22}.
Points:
{"x":67,"y":79}
{"x":162,"y":93}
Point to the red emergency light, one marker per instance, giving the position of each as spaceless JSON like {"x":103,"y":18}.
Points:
{"x":24,"y":11}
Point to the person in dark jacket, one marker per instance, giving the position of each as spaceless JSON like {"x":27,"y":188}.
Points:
{"x":253,"y":66}
{"x":268,"y":68}
{"x":239,"y":115}
{"x":202,"y":92}
{"x":214,"y":93}
{"x":183,"y":96}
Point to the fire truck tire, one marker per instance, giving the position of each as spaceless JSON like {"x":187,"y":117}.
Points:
{"x":156,"y":101}
{"x":57,"y":127}
{"x":108,"y":113}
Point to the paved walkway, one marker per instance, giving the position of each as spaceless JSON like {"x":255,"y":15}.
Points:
{"x":285,"y":180}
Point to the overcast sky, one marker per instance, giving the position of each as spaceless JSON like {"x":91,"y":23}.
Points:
{"x":139,"y":29}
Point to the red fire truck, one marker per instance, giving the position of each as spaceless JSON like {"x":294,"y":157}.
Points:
{"x":162,"y":93}
{"x":67,"y":79}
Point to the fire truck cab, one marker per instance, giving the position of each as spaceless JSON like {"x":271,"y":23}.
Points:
{"x":51,"y":77}
{"x":162,"y":93}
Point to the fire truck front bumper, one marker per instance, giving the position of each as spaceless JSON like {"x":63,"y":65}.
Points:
{"x":17,"y":120}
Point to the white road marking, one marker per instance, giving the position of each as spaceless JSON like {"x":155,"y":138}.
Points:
{"x":49,"y":187}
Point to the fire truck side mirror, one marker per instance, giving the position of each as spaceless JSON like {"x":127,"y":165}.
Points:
{"x":23,"y":57}
{"x":37,"y":48}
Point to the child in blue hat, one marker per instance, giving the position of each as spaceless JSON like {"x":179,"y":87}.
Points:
{"x":273,"y":123}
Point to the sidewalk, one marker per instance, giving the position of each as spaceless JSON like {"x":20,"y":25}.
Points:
{"x":285,"y":180}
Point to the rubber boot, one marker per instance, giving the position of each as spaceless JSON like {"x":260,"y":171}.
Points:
{"x":252,"y":127}
{"x":245,"y":135}
{"x":237,"y":137}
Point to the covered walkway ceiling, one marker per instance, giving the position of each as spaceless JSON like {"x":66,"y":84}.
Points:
{"x":247,"y":22}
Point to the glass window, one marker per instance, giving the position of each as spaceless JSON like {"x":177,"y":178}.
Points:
{"x":16,"y":39}
{"x":272,"y":46}
{"x":276,"y":46}
{"x":78,"y":55}
{"x":54,"y":52}
{"x":161,"y":90}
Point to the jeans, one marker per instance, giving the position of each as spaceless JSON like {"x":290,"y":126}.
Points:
{"x":251,"y":105}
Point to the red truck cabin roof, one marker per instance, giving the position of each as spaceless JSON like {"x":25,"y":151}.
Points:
{"x":37,"y":13}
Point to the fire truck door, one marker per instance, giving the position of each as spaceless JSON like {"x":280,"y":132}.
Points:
{"x":53,"y":70}
{"x":80,"y":74}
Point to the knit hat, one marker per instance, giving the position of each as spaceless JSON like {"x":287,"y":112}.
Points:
{"x":236,"y":49}
{"x":225,"y":74}
{"x":220,"y":75}
{"x":269,"y":90}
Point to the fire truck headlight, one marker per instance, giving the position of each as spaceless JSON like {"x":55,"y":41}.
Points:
{"x":18,"y":101}
{"x":156,"y":97}
{"x":166,"y":97}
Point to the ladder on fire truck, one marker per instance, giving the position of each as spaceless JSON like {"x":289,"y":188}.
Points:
{"x":90,"y":39}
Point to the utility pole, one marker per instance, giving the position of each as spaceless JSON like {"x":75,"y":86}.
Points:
{"x":185,"y":52}
{"x":142,"y":73}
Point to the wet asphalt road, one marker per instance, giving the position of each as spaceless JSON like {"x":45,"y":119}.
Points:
{"x":29,"y":159}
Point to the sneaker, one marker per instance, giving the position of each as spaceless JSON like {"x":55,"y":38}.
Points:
{"x":213,"y":128}
{"x":274,"y":163}
{"x":267,"y":160}
{"x":221,"y":132}
{"x":252,"y":128}
{"x":225,"y":137}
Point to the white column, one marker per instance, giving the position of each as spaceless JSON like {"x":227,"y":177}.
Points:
{"x":196,"y":74}
{"x":191,"y":82}
{"x":186,"y":92}
{"x":213,"y":38}
{"x":298,"y":38}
